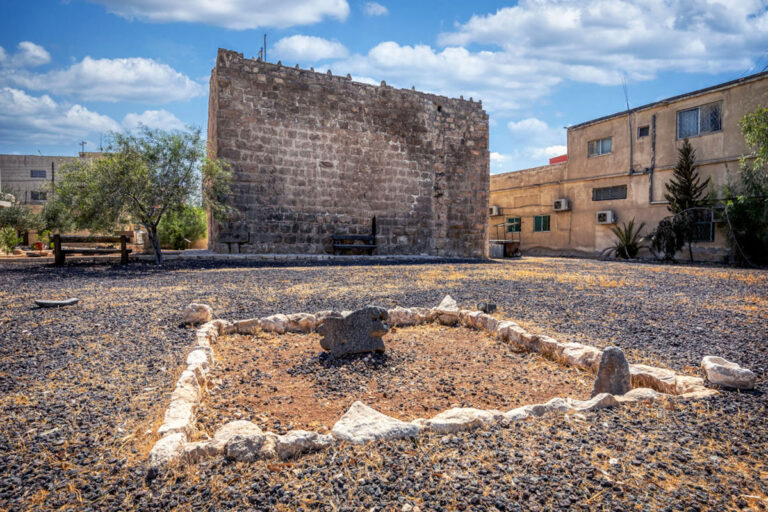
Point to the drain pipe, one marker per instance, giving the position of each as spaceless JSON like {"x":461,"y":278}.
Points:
{"x":653,"y":158}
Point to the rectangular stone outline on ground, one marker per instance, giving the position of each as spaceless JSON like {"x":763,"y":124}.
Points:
{"x":243,"y":440}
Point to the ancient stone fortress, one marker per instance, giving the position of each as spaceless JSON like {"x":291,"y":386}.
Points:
{"x":316,"y":155}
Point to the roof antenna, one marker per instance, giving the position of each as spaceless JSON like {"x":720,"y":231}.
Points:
{"x":82,"y":144}
{"x":265,"y":48}
{"x":629,"y":121}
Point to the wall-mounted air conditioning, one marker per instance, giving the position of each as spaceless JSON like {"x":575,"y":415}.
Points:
{"x":494,"y":211}
{"x":606,"y":217}
{"x":561,"y":205}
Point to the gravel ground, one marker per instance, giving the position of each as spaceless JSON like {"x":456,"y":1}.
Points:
{"x":82,"y":388}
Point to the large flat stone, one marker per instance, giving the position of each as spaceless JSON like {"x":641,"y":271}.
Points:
{"x":462,"y":418}
{"x":361,"y":424}
{"x":197,"y":314}
{"x":727,"y":373}
{"x":660,"y":379}
{"x":44,"y":303}
{"x":297,"y":442}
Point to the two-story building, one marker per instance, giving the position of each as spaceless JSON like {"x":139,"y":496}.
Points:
{"x":29,"y":177}
{"x":616,"y":170}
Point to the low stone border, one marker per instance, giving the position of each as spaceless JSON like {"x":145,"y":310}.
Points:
{"x":245,"y":441}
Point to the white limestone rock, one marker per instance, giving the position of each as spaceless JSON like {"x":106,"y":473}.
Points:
{"x":462,"y":418}
{"x":660,"y":379}
{"x":515,"y":335}
{"x":187,"y":387}
{"x":447,"y":312}
{"x":297,"y":442}
{"x":201,"y":450}
{"x":179,"y":417}
{"x":727,"y":373}
{"x":486,"y":323}
{"x":251,"y":447}
{"x":224,"y":326}
{"x":554,"y":405}
{"x":247,"y":326}
{"x":233,"y":428}
{"x":582,"y":356}
{"x":361,"y":424}
{"x":687,"y":384}
{"x":639,"y":395}
{"x":404,"y":317}
{"x":598,"y":401}
{"x":195,"y":314}
{"x":550,"y":347}
{"x":301,"y":322}
{"x":502,"y":329}
{"x":200,"y":358}
{"x":519,"y":413}
{"x":275,"y":323}
{"x":166,"y":449}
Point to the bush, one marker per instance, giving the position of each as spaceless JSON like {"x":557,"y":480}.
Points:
{"x":189,"y":222}
{"x":628,"y":240}
{"x":668,"y":238}
{"x":8,"y":239}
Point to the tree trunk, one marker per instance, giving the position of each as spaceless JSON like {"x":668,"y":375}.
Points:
{"x":690,"y":250}
{"x":152,"y":232}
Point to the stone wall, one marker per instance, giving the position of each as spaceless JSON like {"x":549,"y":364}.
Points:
{"x":314,"y":155}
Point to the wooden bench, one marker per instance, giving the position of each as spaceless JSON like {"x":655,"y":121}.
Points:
{"x":343,"y":242}
{"x":60,"y":252}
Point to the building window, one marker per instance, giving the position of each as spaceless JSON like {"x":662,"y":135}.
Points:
{"x":541,"y":223}
{"x":37,"y":174}
{"x":513,"y":225}
{"x":36,"y":195}
{"x":703,"y":225}
{"x":609,"y":193}
{"x":599,"y":147}
{"x":700,"y":120}
{"x":643,"y":131}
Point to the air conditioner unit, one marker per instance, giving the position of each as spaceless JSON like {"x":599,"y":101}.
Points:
{"x":561,"y":205}
{"x":606,"y":217}
{"x":494,"y":211}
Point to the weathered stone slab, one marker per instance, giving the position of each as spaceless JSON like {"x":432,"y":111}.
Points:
{"x":248,"y":326}
{"x":43,"y":303}
{"x":613,"y":374}
{"x":274,"y":323}
{"x":297,"y":442}
{"x":447,"y":312}
{"x":361,"y":424}
{"x":197,"y":314}
{"x":639,"y":395}
{"x":166,"y":449}
{"x":301,"y":322}
{"x":462,"y":418}
{"x":644,"y":376}
{"x":582,"y":356}
{"x":550,"y":347}
{"x":354,"y":333}
{"x":250,"y":447}
{"x":598,"y":401}
{"x":727,"y":373}
{"x":404,"y":317}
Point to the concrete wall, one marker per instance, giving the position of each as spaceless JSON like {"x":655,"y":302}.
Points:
{"x":531,"y":192}
{"x":16,"y":178}
{"x":315,"y":154}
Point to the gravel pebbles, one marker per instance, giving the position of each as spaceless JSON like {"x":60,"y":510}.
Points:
{"x":83,"y":388}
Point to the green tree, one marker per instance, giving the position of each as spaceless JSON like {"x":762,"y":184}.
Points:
{"x":8,"y":239}
{"x":140,"y":179}
{"x":19,"y":217}
{"x":746,"y":202}
{"x":187,"y":223}
{"x":686,"y":190}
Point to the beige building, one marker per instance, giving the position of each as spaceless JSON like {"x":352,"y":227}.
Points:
{"x":616,"y":170}
{"x":28,"y":177}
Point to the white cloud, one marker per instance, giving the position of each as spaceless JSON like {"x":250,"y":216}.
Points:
{"x":547,"y":152}
{"x":129,"y":79}
{"x":231,"y":14}
{"x":375,"y":9}
{"x":599,"y":41}
{"x":309,"y":48}
{"x":503,"y":83}
{"x":28,"y":119}
{"x":29,"y":54}
{"x":529,"y":127}
{"x":157,"y":119}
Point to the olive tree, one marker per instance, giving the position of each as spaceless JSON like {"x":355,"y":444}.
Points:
{"x":141,"y":178}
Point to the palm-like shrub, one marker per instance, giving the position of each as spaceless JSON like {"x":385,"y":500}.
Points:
{"x":628,"y":239}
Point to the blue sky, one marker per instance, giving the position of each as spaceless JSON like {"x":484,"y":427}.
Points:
{"x":73,"y":70}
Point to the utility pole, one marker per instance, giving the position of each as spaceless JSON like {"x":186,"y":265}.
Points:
{"x":82,"y":148}
{"x":265,"y":47}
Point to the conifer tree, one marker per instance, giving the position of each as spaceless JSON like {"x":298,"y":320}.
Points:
{"x":686,"y":190}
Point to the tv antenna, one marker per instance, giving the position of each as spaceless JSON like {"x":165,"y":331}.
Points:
{"x":82,"y":145}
